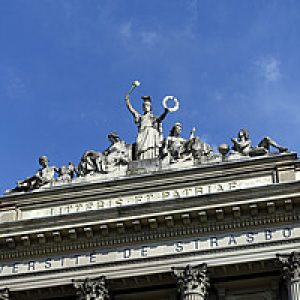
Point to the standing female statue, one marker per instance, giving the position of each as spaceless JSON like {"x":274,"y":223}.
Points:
{"x":150,"y":135}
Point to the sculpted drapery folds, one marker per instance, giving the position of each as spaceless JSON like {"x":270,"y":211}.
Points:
{"x":151,"y":152}
{"x":43,"y":176}
{"x":91,"y":289}
{"x":193,"y":281}
{"x":150,"y":136}
{"x":177,"y":148}
{"x":95,"y":162}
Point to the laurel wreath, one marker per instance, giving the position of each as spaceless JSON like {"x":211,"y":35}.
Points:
{"x":176,"y":105}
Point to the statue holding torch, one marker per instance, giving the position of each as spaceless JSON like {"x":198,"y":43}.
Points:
{"x":150,"y":136}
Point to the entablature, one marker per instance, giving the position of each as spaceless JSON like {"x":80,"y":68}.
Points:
{"x":244,"y":209}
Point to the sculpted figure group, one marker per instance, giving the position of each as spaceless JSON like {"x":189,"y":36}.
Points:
{"x":179,"y":149}
{"x":115,"y":155}
{"x":150,"y":146}
{"x":242,"y":145}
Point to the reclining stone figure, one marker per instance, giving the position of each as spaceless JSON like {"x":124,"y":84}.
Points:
{"x":43,"y":176}
{"x":108,"y":161}
{"x":242,"y":145}
{"x":180,"y":149}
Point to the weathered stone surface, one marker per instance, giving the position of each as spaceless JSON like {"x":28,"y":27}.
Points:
{"x":91,"y":289}
{"x":44,"y":176}
{"x":4,"y":294}
{"x":193,"y":282}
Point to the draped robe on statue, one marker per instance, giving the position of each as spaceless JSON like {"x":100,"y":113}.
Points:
{"x":149,"y":136}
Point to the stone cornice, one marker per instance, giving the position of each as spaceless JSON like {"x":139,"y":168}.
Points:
{"x":134,"y":232}
{"x":245,"y":197}
{"x":158,"y":179}
{"x":210,"y":213}
{"x":234,"y":203}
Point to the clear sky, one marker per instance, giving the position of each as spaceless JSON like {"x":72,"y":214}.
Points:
{"x":65,"y":66}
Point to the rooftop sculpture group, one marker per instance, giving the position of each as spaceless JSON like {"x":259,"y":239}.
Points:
{"x":150,"y":147}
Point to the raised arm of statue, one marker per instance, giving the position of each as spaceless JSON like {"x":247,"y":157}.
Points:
{"x":235,"y":141}
{"x":131,"y":109}
{"x":192,"y":134}
{"x":163,"y":115}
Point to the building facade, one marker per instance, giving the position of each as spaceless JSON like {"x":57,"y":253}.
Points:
{"x":179,"y":223}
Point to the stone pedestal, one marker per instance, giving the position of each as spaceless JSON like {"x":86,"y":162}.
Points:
{"x":91,"y":289}
{"x":144,"y":166}
{"x":291,"y":273}
{"x":193,"y":282}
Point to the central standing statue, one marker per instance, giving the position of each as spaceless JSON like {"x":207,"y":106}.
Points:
{"x":150,"y":135}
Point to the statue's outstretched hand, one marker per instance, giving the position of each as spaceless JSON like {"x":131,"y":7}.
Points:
{"x":192,"y":134}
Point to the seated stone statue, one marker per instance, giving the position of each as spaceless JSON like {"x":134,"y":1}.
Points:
{"x":95,"y":162}
{"x":43,"y":176}
{"x":180,"y":149}
{"x":66,"y":173}
{"x":242,"y":145}
{"x":175,"y":146}
{"x":116,"y":154}
{"x":90,"y":163}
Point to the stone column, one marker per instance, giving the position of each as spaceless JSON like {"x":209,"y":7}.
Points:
{"x":91,"y":289}
{"x":291,"y":273}
{"x":4,"y":294}
{"x":193,"y":282}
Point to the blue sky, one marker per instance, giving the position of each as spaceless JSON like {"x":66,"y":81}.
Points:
{"x":65,"y":66}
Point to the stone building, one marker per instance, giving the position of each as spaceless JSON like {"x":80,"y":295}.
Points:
{"x":186,"y":223}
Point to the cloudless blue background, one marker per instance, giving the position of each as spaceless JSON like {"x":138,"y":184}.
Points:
{"x":65,"y":66}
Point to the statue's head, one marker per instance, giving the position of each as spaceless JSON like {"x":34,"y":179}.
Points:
{"x":176,"y":129}
{"x":147,"y":106}
{"x":43,"y":161}
{"x":113,"y":137}
{"x":243,"y":133}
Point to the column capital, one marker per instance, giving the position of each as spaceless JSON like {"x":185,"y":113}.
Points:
{"x":192,"y":280}
{"x":91,"y":288}
{"x":291,"y":266}
{"x":4,"y":294}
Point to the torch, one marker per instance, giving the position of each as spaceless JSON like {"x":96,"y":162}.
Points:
{"x":134,"y":85}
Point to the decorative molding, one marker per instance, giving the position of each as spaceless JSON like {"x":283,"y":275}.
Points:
{"x":290,"y":266}
{"x":158,"y":260}
{"x":192,"y":280}
{"x":4,"y":294}
{"x":91,"y":289}
{"x":162,"y":231}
